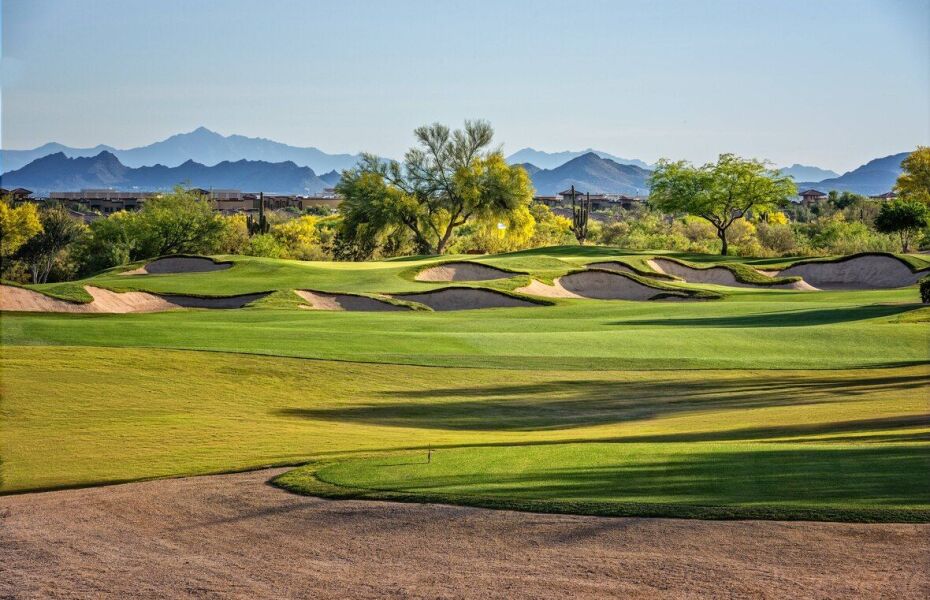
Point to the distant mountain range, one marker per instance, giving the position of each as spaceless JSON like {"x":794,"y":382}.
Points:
{"x":201,"y":145}
{"x":551,"y":160}
{"x":807,"y":173}
{"x":57,"y":172}
{"x":590,"y":173}
{"x":206,"y":159}
{"x":874,"y":177}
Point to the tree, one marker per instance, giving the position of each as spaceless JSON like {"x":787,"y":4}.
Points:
{"x":59,"y":231}
{"x":914,"y":181}
{"x":177,"y":223}
{"x":450,"y":180}
{"x":902,"y":217}
{"x":17,"y":225}
{"x":720,"y":192}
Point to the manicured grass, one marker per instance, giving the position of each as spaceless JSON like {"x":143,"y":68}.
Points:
{"x":806,"y":480}
{"x":767,"y":329}
{"x":763,"y":404}
{"x":83,"y":416}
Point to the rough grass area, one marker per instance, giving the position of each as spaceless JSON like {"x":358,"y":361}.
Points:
{"x":85,"y":416}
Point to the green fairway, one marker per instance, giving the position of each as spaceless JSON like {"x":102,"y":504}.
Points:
{"x":765,"y":403}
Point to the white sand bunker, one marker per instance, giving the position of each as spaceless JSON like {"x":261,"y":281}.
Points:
{"x":600,"y":285}
{"x":179,"y":264}
{"x":465,"y":299}
{"x":105,"y":301}
{"x":862,"y":272}
{"x":214,"y":302}
{"x":612,"y":265}
{"x":351,"y":302}
{"x":716,"y":276}
{"x":461,"y":271}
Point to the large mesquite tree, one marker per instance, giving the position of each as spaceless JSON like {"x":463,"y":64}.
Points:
{"x":720,"y":192}
{"x":449,"y":180}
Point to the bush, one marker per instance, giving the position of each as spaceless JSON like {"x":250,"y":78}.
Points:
{"x":265,"y":245}
{"x":925,"y":290}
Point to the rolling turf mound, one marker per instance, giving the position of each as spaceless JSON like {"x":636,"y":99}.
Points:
{"x":462,"y":271}
{"x":723,"y":275}
{"x":454,"y":298}
{"x":179,"y":264}
{"x":621,"y":267}
{"x":604,"y":285}
{"x":20,"y":299}
{"x":350,"y":302}
{"x":857,"y":272}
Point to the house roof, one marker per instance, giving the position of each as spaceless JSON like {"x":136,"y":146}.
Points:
{"x":811,"y":192}
{"x":886,"y":196}
{"x":568,"y":192}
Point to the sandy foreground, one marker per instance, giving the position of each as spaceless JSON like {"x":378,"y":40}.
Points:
{"x":236,"y":536}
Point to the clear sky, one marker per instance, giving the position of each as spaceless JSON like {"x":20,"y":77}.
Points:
{"x":831,"y":83}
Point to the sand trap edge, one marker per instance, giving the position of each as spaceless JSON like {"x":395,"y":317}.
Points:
{"x":210,"y":265}
{"x":334,"y":301}
{"x":436,"y":273}
{"x":448,"y":302}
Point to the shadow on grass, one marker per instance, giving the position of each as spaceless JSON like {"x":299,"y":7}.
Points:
{"x":887,"y":477}
{"x":794,"y":318}
{"x":569,"y":404}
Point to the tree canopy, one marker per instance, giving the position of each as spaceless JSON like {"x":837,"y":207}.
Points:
{"x":452,"y":178}
{"x":17,"y":225}
{"x":914,"y":181}
{"x":903,"y":217}
{"x":720,"y":192}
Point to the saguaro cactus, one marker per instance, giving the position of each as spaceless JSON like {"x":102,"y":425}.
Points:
{"x":580,"y":210}
{"x":260,"y":225}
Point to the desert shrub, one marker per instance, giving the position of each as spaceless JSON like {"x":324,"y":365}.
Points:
{"x":108,"y":242}
{"x":777,"y":239}
{"x":234,"y":236}
{"x":265,"y":245}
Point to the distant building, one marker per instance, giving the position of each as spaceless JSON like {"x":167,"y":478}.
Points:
{"x":887,"y":196}
{"x":17,"y":194}
{"x":103,"y":201}
{"x":550,"y":201}
{"x":812,"y":196}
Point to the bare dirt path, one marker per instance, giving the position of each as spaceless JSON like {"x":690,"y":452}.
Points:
{"x":235,"y":536}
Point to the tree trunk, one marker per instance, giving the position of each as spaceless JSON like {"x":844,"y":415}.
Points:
{"x":722,"y":234}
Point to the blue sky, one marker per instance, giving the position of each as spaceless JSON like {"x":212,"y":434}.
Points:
{"x":829,"y":83}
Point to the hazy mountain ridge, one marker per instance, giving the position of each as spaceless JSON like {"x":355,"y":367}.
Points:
{"x":58,"y":172}
{"x":551,"y":160}
{"x":201,"y":145}
{"x":807,"y":173}
{"x":591,"y":173}
{"x":874,"y":177}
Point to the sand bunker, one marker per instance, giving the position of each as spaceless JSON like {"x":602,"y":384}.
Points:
{"x":216,"y":302}
{"x":461,"y":271}
{"x":179,"y":264}
{"x":351,"y":302}
{"x":465,"y":299}
{"x":716,"y":276}
{"x":864,"y":272}
{"x":600,"y":285}
{"x":613,"y":265}
{"x":105,"y":301}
